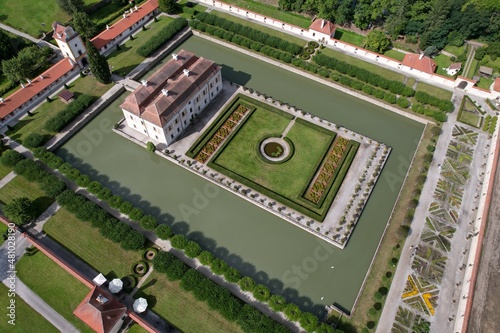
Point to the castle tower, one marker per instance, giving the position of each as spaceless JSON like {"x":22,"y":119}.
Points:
{"x":70,"y":44}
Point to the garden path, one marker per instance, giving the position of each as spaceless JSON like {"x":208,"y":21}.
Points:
{"x":285,"y":132}
{"x":5,"y":180}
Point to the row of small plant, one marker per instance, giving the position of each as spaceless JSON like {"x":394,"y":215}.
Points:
{"x":84,"y":209}
{"x":242,"y":41}
{"x":162,"y":36}
{"x":490,"y":123}
{"x":223,"y":132}
{"x":363,"y":75}
{"x":250,"y":33}
{"x":436,"y":114}
{"x":442,"y":104}
{"x":75,"y":108}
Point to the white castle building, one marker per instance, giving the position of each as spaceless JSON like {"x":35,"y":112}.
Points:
{"x":70,"y":44}
{"x":164,"y":105}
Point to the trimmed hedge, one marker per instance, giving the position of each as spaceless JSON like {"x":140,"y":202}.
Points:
{"x":163,"y":231}
{"x":59,"y":121}
{"x":34,"y":140}
{"x":34,"y":172}
{"x":248,"y":32}
{"x":442,"y":104}
{"x":162,"y":37}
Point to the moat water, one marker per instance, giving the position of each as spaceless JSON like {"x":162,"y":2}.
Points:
{"x":288,"y":260}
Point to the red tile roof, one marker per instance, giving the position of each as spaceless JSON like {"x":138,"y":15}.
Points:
{"x":119,"y":27}
{"x":152,"y":105}
{"x":101,"y":317}
{"x":323,"y":26}
{"x":455,"y":65}
{"x":423,"y":64}
{"x":60,"y":32}
{"x":23,"y":95}
{"x":496,"y":85}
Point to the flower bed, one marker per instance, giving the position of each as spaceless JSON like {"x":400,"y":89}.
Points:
{"x":222,"y":133}
{"x":410,"y":288}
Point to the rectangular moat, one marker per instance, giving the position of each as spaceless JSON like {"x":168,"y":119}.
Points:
{"x":259,"y":244}
{"x":304,"y":169}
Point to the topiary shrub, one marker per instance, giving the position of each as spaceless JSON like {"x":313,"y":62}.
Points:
{"x":377,"y":306}
{"x":126,"y":207}
{"x":261,"y":293}
{"x":149,"y":253}
{"x":192,"y":249}
{"x":115,"y":201}
{"x":34,"y":140}
{"x":246,"y":283}
{"x":205,"y":258}
{"x":150,"y":146}
{"x":179,"y":242}
{"x":163,"y":231}
{"x":140,"y":268}
{"x":136,"y":214}
{"x":232,"y":275}
{"x":277,"y":303}
{"x":94,"y":186}
{"x":10,"y":158}
{"x":148,"y":222}
{"x":219,"y":266}
{"x":308,"y":321}
{"x":104,"y":194}
{"x":292,"y":311}
{"x":129,"y":283}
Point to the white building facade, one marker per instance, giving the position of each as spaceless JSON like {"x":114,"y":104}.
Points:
{"x":70,"y":44}
{"x":165,"y":104}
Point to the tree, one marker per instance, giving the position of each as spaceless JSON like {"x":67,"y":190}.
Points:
{"x":24,"y":65}
{"x":84,"y":25}
{"x":192,"y":249}
{"x":34,"y":140}
{"x":179,"y":242}
{"x":10,"y":158}
{"x":20,"y":210}
{"x":148,"y":222}
{"x":163,"y":231}
{"x":6,"y":50}
{"x":98,"y":64}
{"x":167,"y":6}
{"x":377,"y":41}
{"x":71,"y":6}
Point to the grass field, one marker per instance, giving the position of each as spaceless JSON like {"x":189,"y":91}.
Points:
{"x":3,"y":230}
{"x":470,"y":118}
{"x":442,"y":61}
{"x":434,"y":91}
{"x":181,"y":308}
{"x":273,"y":32}
{"x":54,"y":285}
{"x":455,"y":50}
{"x":126,"y":58}
{"x":30,"y":124}
{"x":395,"y":54}
{"x":26,"y":317}
{"x":4,"y":171}
{"x":350,"y":37}
{"x":474,"y":65}
{"x":135,"y":328}
{"x":388,"y":74}
{"x":271,"y":11}
{"x":485,"y":83}
{"x":20,"y":187}
{"x":85,"y":241}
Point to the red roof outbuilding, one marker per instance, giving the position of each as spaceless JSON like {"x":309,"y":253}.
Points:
{"x":496,"y":85}
{"x":420,"y":62}
{"x":125,"y":23}
{"x":323,"y":26}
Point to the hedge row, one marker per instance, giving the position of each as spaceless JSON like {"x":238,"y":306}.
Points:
{"x":441,"y":104}
{"x":250,"y":33}
{"x":243,"y":41}
{"x":34,"y":172}
{"x":363,"y":75}
{"x":436,"y":114}
{"x":109,"y":226}
{"x":162,"y":36}
{"x":57,"y":123}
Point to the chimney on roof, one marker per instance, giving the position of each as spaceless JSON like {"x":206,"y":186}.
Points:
{"x":144,"y":83}
{"x":101,"y":299}
{"x":124,"y":15}
{"x":107,"y":26}
{"x":59,"y":35}
{"x":136,"y":9}
{"x":164,"y":92}
{"x":1,"y":100}
{"x":22,"y":85}
{"x":41,"y":77}
{"x":323,"y":22}
{"x":421,"y":56}
{"x":29,"y":81}
{"x":186,"y":72}
{"x":175,"y":56}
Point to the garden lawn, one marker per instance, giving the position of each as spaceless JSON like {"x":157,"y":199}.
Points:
{"x":3,"y":230}
{"x":457,"y":51}
{"x":490,"y":63}
{"x":485,"y":83}
{"x":181,"y":308}
{"x":350,"y":37}
{"x":126,"y":58}
{"x":20,"y":187}
{"x":386,"y":73}
{"x":273,"y":32}
{"x":26,"y":317}
{"x":188,"y":12}
{"x":34,"y":124}
{"x":442,"y":61}
{"x":271,"y":11}
{"x":474,"y":65}
{"x":434,"y":91}
{"x":102,"y":254}
{"x":470,"y":118}
{"x":54,"y":285}
{"x":394,"y":54}
{"x":135,"y":328}
{"x":28,"y":15}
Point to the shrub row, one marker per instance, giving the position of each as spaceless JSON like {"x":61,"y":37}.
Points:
{"x":34,"y":172}
{"x":57,"y":123}
{"x":250,"y":33}
{"x":363,"y":75}
{"x":436,"y":114}
{"x":131,"y":239}
{"x":242,"y":41}
{"x":162,"y":36}
{"x":441,"y":104}
{"x":109,"y":226}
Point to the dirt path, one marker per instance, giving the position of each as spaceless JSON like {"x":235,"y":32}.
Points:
{"x":484,"y":315}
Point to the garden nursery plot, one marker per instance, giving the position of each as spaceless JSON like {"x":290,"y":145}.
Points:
{"x":288,"y":159}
